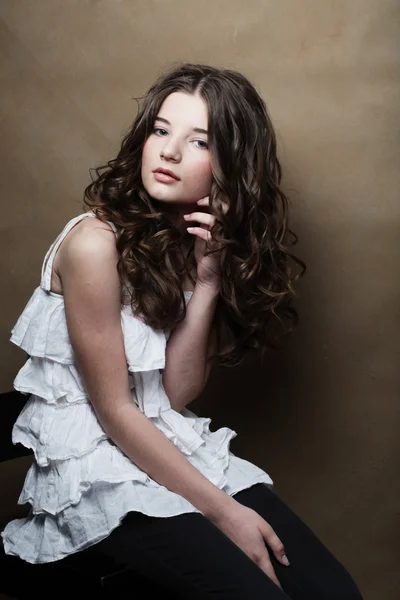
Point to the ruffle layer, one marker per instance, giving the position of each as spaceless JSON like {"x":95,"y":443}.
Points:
{"x":58,"y":432}
{"x":55,"y":432}
{"x":54,"y":488}
{"x":41,"y":329}
{"x":53,"y":382}
{"x":45,"y":538}
{"x":42,"y":332}
{"x":144,"y":347}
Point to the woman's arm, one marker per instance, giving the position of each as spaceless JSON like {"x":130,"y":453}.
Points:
{"x":191,"y":343}
{"x":87,"y":267}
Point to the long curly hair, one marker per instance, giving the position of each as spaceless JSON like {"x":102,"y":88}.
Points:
{"x":253,"y":238}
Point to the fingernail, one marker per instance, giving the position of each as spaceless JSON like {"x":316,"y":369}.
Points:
{"x":285,"y":560}
{"x":186,"y":216}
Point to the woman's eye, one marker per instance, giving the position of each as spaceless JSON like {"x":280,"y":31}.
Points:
{"x":160,"y":131}
{"x":202,"y":144}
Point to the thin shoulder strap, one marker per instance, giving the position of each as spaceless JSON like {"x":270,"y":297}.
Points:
{"x":47,"y":266}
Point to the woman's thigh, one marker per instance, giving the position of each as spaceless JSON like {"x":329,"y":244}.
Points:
{"x":188,"y":556}
{"x":313,"y":572}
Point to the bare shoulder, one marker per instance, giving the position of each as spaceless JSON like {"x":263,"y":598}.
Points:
{"x":87,"y":254}
{"x":89,"y":240}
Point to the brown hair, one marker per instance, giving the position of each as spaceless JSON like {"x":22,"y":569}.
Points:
{"x":253,"y":237}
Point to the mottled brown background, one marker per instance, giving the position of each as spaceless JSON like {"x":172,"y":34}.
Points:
{"x":322,"y":416}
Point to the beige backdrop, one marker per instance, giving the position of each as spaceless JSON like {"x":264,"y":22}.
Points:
{"x":321,"y":416}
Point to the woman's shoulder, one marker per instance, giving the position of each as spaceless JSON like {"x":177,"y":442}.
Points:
{"x":89,"y":241}
{"x":89,"y":234}
{"x":84,"y":226}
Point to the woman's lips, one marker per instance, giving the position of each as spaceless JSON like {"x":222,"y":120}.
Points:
{"x":165,"y":176}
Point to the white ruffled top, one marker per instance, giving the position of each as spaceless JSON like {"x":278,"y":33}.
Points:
{"x":81,"y":485}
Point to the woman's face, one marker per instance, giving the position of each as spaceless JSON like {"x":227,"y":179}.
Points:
{"x":178,"y":144}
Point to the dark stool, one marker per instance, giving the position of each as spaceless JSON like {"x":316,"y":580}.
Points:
{"x":84,"y":574}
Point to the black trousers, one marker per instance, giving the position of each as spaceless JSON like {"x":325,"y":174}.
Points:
{"x":189,"y":557}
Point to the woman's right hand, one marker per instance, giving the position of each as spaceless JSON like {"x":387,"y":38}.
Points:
{"x":250,"y":532}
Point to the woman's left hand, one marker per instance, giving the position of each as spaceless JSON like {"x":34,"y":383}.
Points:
{"x":207,"y":266}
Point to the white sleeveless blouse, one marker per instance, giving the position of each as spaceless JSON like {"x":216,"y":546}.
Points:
{"x":81,"y":485}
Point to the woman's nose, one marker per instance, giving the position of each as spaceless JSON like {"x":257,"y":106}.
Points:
{"x":171,"y":151}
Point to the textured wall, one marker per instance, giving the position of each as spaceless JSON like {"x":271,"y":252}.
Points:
{"x":321,"y":416}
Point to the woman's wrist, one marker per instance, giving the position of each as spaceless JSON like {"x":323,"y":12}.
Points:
{"x":212,"y":288}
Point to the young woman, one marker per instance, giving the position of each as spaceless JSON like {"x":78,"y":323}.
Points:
{"x":181,"y":262}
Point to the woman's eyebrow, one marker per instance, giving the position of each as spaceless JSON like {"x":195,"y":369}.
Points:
{"x":196,"y":129}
